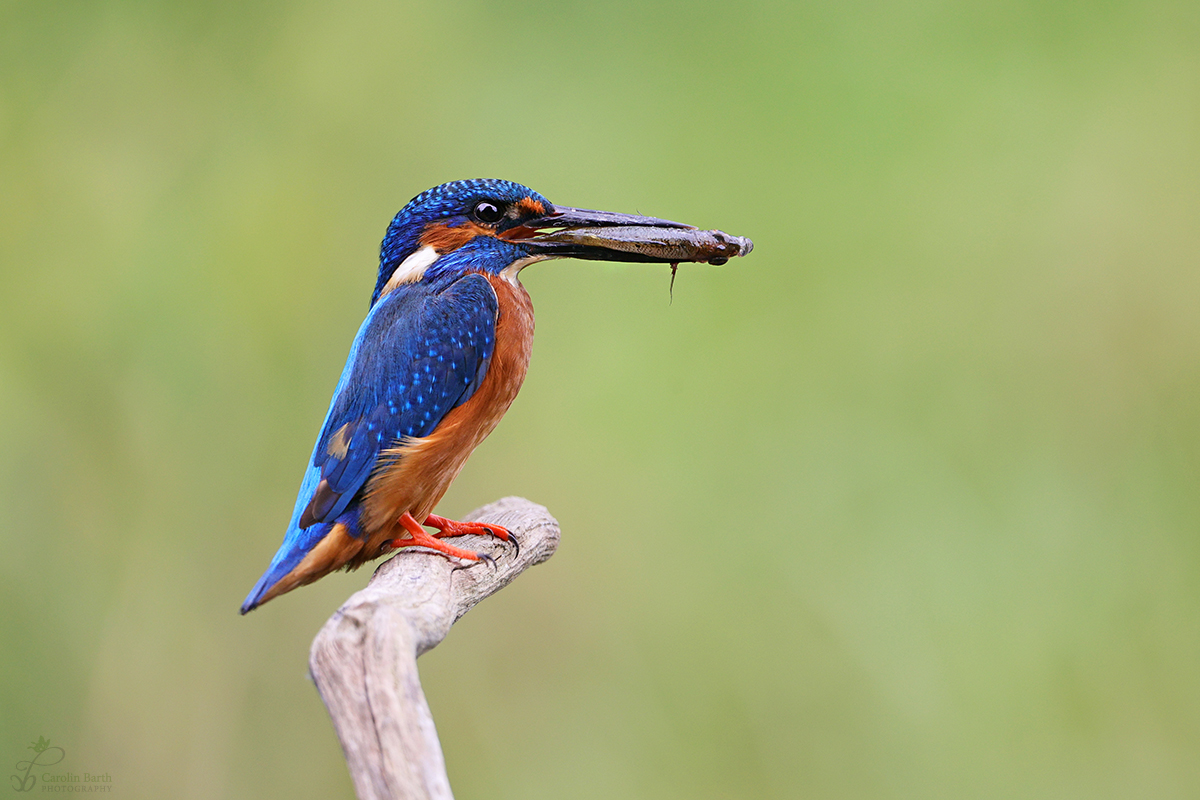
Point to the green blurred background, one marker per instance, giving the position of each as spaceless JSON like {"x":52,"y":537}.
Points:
{"x":903,"y":505}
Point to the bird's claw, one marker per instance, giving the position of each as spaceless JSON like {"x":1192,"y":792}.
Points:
{"x":480,"y":558}
{"x":512,"y":537}
{"x":508,"y":536}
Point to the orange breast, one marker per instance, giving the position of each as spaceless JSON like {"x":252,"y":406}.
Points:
{"x":423,"y":469}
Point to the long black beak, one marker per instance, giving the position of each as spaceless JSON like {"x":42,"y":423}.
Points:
{"x":606,"y":236}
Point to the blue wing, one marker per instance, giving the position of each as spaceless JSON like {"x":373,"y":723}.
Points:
{"x":422,"y":350}
{"x":418,"y":354}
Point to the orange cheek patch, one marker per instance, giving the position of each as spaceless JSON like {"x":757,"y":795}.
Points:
{"x":445,"y":238}
{"x":531,"y":205}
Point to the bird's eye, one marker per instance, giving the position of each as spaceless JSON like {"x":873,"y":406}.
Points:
{"x":487,"y":212}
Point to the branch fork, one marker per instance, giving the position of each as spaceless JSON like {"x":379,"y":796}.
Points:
{"x":364,"y":659}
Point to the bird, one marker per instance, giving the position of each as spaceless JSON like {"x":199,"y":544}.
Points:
{"x":436,"y":363}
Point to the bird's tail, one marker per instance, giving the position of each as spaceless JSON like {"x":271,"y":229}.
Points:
{"x":305,"y":555}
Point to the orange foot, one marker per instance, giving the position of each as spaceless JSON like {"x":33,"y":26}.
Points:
{"x":418,"y":536}
{"x":450,"y":527}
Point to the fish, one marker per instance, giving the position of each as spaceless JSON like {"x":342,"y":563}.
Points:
{"x":668,"y":245}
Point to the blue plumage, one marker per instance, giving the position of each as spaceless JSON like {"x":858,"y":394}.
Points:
{"x":449,"y":327}
{"x":425,"y":349}
{"x":421,"y":351}
{"x":451,"y":203}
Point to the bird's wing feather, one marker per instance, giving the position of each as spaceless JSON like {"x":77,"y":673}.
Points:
{"x":420,"y":353}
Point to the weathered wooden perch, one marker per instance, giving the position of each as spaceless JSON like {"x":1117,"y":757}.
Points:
{"x":364,"y":660}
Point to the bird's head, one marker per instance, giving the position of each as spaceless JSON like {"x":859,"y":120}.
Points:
{"x":496,"y":226}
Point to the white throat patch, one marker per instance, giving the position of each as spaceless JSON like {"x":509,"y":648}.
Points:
{"x":411,"y":269}
{"x":510,"y":272}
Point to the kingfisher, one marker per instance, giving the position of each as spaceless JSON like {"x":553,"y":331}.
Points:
{"x":437,"y":362}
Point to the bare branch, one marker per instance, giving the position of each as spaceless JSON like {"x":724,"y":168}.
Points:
{"x":364,"y":660}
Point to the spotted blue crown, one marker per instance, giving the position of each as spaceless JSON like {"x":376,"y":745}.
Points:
{"x":450,"y":204}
